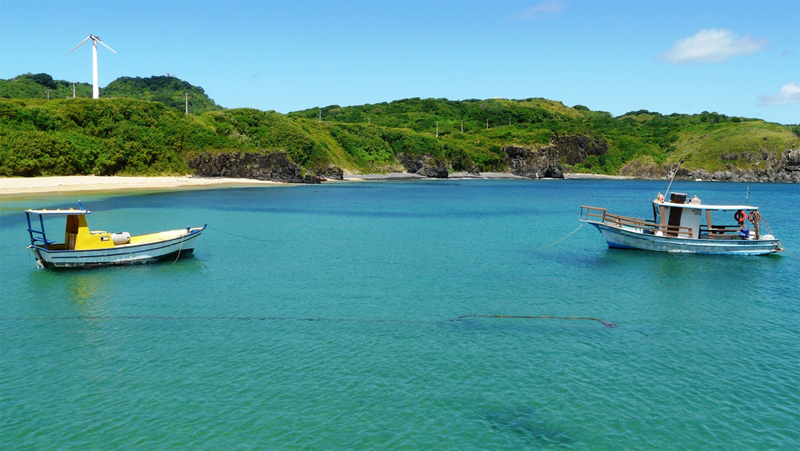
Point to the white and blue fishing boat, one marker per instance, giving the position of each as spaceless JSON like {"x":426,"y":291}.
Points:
{"x":87,"y":248}
{"x":687,"y":226}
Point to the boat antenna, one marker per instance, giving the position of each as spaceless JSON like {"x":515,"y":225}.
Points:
{"x":674,"y":173}
{"x":747,"y":198}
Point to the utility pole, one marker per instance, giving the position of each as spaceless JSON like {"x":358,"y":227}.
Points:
{"x":186,"y":99}
{"x":437,"y":129}
{"x":487,"y":124}
{"x":320,"y":114}
{"x":48,"y":93}
{"x":73,"y":89}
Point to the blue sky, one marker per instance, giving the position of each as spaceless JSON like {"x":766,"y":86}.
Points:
{"x":735,"y":57}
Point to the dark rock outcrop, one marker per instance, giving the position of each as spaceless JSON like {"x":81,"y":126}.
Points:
{"x":534,"y":164}
{"x":573,"y":149}
{"x":331,"y":172}
{"x":765,"y":167}
{"x":425,"y":165}
{"x":274,"y":166}
{"x":546,"y":162}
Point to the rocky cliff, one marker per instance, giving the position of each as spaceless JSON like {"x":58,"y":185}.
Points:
{"x":534,"y":164}
{"x":331,"y":172}
{"x":425,"y":165}
{"x":275,"y":166}
{"x":573,"y":149}
{"x":545,"y":162}
{"x":765,"y":167}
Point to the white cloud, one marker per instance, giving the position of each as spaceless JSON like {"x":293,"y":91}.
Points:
{"x":711,"y":46}
{"x":789,"y":94}
{"x":546,"y":8}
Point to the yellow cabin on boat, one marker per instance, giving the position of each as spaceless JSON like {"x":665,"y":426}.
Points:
{"x":79,"y":237}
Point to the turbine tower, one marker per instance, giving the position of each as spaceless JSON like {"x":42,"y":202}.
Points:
{"x":95,"y":82}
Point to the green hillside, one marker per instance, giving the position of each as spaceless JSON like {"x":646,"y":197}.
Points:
{"x":139,"y":127}
{"x":475,"y":131}
{"x":40,"y":86}
{"x":170,"y":91}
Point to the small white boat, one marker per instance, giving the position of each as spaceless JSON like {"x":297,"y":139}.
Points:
{"x":86,"y":248}
{"x":685,"y":226}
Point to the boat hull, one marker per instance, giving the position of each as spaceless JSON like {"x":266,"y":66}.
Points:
{"x":619,"y":238}
{"x":173,"y":248}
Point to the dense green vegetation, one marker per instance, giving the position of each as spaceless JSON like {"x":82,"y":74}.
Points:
{"x":170,"y":91}
{"x":139,"y":127}
{"x":42,"y":86}
{"x":125,"y":136}
{"x":474,"y":132}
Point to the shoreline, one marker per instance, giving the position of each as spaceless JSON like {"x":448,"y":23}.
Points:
{"x":480,"y":176}
{"x":16,"y":186}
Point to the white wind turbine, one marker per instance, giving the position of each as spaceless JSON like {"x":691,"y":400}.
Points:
{"x":95,"y":82}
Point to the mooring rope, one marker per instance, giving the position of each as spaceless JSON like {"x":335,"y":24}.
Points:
{"x":562,"y":239}
{"x":281,"y":318}
{"x":241,"y":236}
{"x":793,"y":255}
{"x":180,"y":248}
{"x":586,"y":318}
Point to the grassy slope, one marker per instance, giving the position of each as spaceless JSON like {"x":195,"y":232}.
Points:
{"x":122,"y":135}
{"x":704,"y":147}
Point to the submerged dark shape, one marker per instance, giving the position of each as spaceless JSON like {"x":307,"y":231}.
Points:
{"x":605,"y":323}
{"x":528,"y":423}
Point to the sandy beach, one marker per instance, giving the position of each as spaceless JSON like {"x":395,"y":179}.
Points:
{"x":76,"y":183}
{"x":13,"y":186}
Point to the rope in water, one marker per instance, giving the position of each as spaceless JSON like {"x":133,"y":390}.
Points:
{"x":241,"y":236}
{"x":586,"y":318}
{"x":269,"y":241}
{"x":179,"y":249}
{"x":562,"y":239}
{"x":279,"y":318}
{"x":793,"y":255}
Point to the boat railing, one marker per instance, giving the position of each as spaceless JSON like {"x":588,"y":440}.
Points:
{"x":38,"y":237}
{"x":720,"y":232}
{"x":602,"y":215}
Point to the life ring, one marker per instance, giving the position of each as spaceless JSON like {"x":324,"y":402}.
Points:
{"x":739,"y":216}
{"x":754,"y":217}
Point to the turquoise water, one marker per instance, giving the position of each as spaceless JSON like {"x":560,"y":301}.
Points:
{"x":327,"y":317}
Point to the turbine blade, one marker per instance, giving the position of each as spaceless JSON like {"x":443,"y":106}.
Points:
{"x":98,"y":40}
{"x":73,"y":49}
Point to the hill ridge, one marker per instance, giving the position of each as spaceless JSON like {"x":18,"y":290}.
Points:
{"x":151,"y":135}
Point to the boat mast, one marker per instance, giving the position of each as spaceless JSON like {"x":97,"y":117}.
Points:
{"x":666,"y":195}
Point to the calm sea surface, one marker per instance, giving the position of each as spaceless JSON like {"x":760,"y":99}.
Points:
{"x":332,"y":317}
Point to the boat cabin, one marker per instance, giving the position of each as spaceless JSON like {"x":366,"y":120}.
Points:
{"x":684,"y":218}
{"x":77,"y":235}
